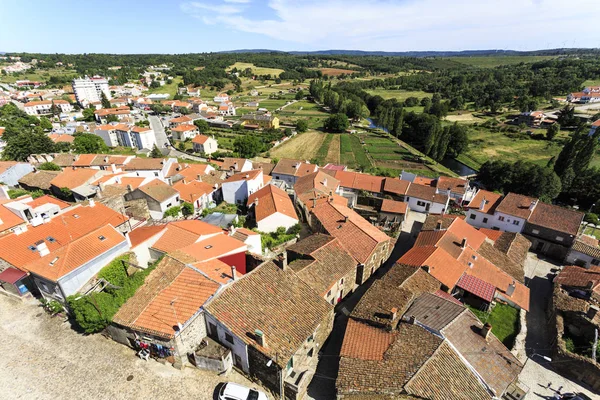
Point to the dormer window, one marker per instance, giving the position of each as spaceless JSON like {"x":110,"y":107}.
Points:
{"x":50,"y":239}
{"x":32,"y":248}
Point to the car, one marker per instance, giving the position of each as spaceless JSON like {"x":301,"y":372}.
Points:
{"x":575,"y":396}
{"x":234,"y":391}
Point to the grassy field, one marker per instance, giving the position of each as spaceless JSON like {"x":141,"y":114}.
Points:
{"x":504,"y":320}
{"x":324,"y":149}
{"x":495,"y":61}
{"x":171,"y":88}
{"x":592,"y":82}
{"x":39,"y":75}
{"x":401,"y":95}
{"x":255,"y":69}
{"x":352,"y":153}
{"x":303,"y":146}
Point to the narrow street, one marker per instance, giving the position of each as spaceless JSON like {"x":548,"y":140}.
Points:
{"x":538,"y":373}
{"x":322,"y":386}
{"x":159,"y":131}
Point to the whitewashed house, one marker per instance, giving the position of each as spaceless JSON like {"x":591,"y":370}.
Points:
{"x":238,"y":187}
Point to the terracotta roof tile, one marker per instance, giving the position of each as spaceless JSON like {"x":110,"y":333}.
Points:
{"x":431,"y":221}
{"x":158,"y":190}
{"x":456,"y":185}
{"x":584,"y":248}
{"x":580,"y":277}
{"x":556,"y":218}
{"x":214,"y":247}
{"x":248,"y":175}
{"x":143,"y":233}
{"x":200,"y":139}
{"x":492,"y":200}
{"x":358,"y":181}
{"x":425,"y":193}
{"x":395,"y":186}
{"x":184,"y":233}
{"x":192,"y":191}
{"x":365,"y":342}
{"x":298,"y":168}
{"x":516,"y":205}
{"x":271,"y":200}
{"x":394,"y":207}
{"x":72,"y":178}
{"x":172,"y":294}
{"x":503,"y":261}
{"x":477,"y":287}
{"x":356,"y":234}
{"x":144,"y":164}
{"x":310,"y":244}
{"x":40,"y":201}
{"x":284,"y":308}
{"x":434,"y":311}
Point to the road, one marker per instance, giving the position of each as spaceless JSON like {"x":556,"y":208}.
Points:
{"x":159,"y":131}
{"x":538,"y":371}
{"x":43,"y":358}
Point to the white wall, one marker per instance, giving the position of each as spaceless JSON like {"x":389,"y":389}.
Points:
{"x":508,"y":223}
{"x":12,"y":175}
{"x":274,"y":221}
{"x":574,"y":256}
{"x":434,"y":208}
{"x":75,"y":280}
{"x":238,"y":347}
{"x":109,"y":137}
{"x":477,"y":221}
{"x":142,"y":250}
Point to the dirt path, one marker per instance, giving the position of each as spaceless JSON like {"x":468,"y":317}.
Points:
{"x":303,"y":146}
{"x":333,"y":154}
{"x":43,"y":358}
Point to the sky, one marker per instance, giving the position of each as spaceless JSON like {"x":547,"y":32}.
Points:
{"x":180,"y":26}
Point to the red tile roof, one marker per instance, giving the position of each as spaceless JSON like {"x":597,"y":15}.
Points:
{"x":76,"y":253}
{"x":491,"y":201}
{"x":492,"y":234}
{"x":271,"y":200}
{"x":185,"y":128}
{"x":576,"y":276}
{"x":358,"y":181}
{"x":556,"y":218}
{"x":476,"y":286}
{"x":200,"y":139}
{"x":184,"y":233}
{"x":395,"y":186}
{"x":12,"y":275}
{"x":456,"y":185}
{"x":365,"y":342}
{"x":192,"y":191}
{"x":48,"y":200}
{"x":72,"y":178}
{"x":143,"y":233}
{"x":356,"y":234}
{"x":214,"y":247}
{"x":241,"y":176}
{"x":394,"y":207}
{"x":516,"y":205}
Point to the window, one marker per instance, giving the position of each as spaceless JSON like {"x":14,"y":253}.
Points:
{"x":500,"y":218}
{"x":168,"y":205}
{"x":472,"y":216}
{"x":407,"y":199}
{"x":535,"y":231}
{"x":228,"y":338}
{"x":485,"y":220}
{"x":102,"y":238}
{"x":595,"y":262}
{"x":329,"y":293}
{"x":421,"y":203}
{"x":342,"y":281}
{"x":559,"y":238}
{"x":177,"y":198}
{"x":156,"y":174}
{"x":32,"y":248}
{"x":515,"y":222}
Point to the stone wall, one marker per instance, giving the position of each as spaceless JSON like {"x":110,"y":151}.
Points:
{"x":189,"y":339}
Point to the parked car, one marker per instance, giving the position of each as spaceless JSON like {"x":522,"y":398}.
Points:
{"x":233,"y":391}
{"x":575,"y":396}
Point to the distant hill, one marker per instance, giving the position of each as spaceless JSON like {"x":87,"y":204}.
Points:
{"x":463,"y":53}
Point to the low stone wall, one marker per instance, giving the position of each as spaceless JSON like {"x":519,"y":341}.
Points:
{"x":518,"y":349}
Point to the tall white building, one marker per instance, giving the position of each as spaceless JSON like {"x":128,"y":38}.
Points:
{"x":88,"y":90}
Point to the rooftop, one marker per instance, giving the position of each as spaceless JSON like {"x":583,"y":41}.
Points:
{"x":489,"y":200}
{"x":158,"y":190}
{"x":557,"y":218}
{"x":271,"y":200}
{"x":516,"y":205}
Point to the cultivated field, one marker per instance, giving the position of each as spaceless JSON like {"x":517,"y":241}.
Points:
{"x":257,"y":70}
{"x":303,"y":146}
{"x":401,"y":95}
{"x":495,"y":61}
{"x":40,"y":75}
{"x":335,"y":71}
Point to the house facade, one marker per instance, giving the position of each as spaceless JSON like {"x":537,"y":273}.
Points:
{"x":159,"y":196}
{"x":238,"y":187}
{"x":204,"y":144}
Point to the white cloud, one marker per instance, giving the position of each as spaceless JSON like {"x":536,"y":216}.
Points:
{"x":417,"y":24}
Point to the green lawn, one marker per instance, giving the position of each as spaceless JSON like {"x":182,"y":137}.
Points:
{"x":39,"y":75}
{"x":324,"y":149}
{"x":504,"y":320}
{"x":256,"y":70}
{"x":352,"y":152}
{"x":401,"y":95}
{"x":495,"y":61}
{"x":171,"y":88}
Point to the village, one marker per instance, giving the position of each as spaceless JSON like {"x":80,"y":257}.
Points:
{"x":172,"y":226}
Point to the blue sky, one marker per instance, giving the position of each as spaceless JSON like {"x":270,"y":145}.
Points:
{"x":180,"y":26}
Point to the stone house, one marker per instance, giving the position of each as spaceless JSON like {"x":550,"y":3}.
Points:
{"x":12,"y":171}
{"x":290,"y":171}
{"x":366,"y":243}
{"x":552,"y":229}
{"x":585,"y":252}
{"x":166,"y":314}
{"x":159,"y":196}
{"x":392,"y":214}
{"x":481,"y":209}
{"x":274,"y":339}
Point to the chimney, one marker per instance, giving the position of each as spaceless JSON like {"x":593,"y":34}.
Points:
{"x":412,"y":320}
{"x":199,"y":178}
{"x":256,"y":201}
{"x":314,"y":202}
{"x":394,"y":313}
{"x":438,"y":225}
{"x":511,"y":289}
{"x":129,"y":188}
{"x":485,"y":330}
{"x":482,"y":205}
{"x":233,"y":273}
{"x":532,"y":205}
{"x":247,"y":176}
{"x":260,"y":338}
{"x":325,"y":182}
{"x":463,"y":244}
{"x":282,"y":260}
{"x":345,"y":218}
{"x":592,"y":311}
{"x":106,"y":159}
{"x":42,"y":248}
{"x":92,"y":203}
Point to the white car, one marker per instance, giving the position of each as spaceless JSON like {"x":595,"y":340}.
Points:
{"x":233,"y":391}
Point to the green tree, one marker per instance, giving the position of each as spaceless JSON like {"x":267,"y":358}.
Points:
{"x":552,"y":131}
{"x":301,"y":126}
{"x":202,"y":125}
{"x":156,"y":153}
{"x":173,"y":212}
{"x":25,"y":143}
{"x":566,"y":116}
{"x":299,"y":94}
{"x":87,"y":143}
{"x":247,"y":146}
{"x":187,"y":208}
{"x":181,"y":146}
{"x":49,"y":166}
{"x":459,"y":140}
{"x":45,"y":123}
{"x":104,"y":100}
{"x":336,"y":123}
{"x":89,"y":114}
{"x":111,"y":118}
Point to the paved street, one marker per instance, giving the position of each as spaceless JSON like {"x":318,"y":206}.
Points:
{"x":538,"y":372}
{"x":159,"y":131}
{"x":43,"y":358}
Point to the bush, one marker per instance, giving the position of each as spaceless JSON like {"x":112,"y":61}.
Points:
{"x":49,"y":166}
{"x":93,"y":313}
{"x":173,"y":211}
{"x":591,"y":218}
{"x":187,"y":208}
{"x":274,"y":239}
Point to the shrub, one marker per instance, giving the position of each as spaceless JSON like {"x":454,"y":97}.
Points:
{"x":49,"y":166}
{"x":187,"y":208}
{"x":173,"y":211}
{"x":591,"y":218}
{"x":94,"y":312}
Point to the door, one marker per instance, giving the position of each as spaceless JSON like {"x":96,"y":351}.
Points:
{"x":539,"y":247}
{"x":212,"y":331}
{"x":427,"y":206}
{"x":237,"y":360}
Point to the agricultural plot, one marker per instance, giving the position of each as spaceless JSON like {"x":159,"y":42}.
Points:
{"x":400,"y":95}
{"x":304,"y":146}
{"x":352,"y":153}
{"x":496,"y":61}
{"x":257,"y":70}
{"x":336,"y":71}
{"x":40,"y":75}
